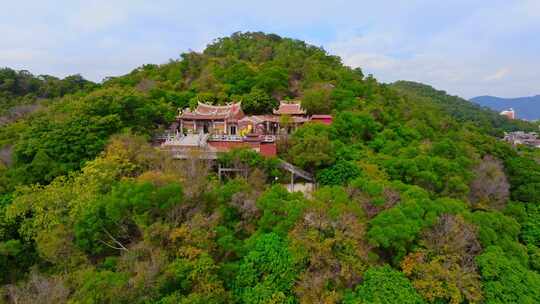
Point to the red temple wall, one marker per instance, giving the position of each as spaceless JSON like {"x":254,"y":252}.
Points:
{"x":326,"y":121}
{"x":266,"y":149}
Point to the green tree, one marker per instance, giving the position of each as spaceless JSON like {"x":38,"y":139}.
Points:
{"x":317,"y":101}
{"x":311,"y":147}
{"x":272,"y":80}
{"x":505,"y":280}
{"x":110,"y":223}
{"x":530,"y":232}
{"x":267,"y":273}
{"x":397,"y":228}
{"x":258,"y":102}
{"x":384,"y":285}
{"x":280,"y":210}
{"x":339,"y":174}
{"x":192,"y":281}
{"x":354,"y":127}
{"x":497,"y":229}
{"x":329,"y":239}
{"x":94,"y":287}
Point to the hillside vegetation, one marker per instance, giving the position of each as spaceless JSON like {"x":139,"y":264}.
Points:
{"x":18,"y":88}
{"x":417,"y":201}
{"x":489,"y":121}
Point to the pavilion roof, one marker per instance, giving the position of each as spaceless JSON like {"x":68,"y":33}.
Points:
{"x":258,"y":119}
{"x":207,"y":112}
{"x":321,"y":116}
{"x":293,"y":108}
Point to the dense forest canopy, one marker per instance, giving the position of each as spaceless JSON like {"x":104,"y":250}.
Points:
{"x":21,"y":83}
{"x":464,"y":111}
{"x":418,"y":201}
{"x":19,"y":88}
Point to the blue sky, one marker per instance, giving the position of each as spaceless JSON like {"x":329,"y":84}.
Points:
{"x":466,"y":47}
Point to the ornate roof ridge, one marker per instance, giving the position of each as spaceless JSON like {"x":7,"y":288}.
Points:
{"x":231,"y":104}
{"x":292,"y":107}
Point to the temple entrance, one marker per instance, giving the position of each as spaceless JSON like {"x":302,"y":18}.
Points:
{"x":274,"y":129}
{"x":232,"y":130}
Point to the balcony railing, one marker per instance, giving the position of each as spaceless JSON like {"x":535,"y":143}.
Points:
{"x":269,"y":138}
{"x":171,"y":139}
{"x":225,"y":137}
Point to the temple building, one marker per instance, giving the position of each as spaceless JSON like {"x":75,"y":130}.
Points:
{"x":231,"y":120}
{"x":211,"y":119}
{"x":214,"y":129}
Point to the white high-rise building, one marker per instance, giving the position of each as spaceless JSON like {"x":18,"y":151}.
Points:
{"x":510,"y":113}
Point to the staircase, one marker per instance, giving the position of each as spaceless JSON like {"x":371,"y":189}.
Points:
{"x":296,"y":171}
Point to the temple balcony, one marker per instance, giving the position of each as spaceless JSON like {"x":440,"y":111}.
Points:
{"x":225,"y":137}
{"x":249,"y":137}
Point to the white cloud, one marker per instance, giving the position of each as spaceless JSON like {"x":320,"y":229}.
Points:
{"x":500,"y":74}
{"x":460,"y":53}
{"x":465,"y":47}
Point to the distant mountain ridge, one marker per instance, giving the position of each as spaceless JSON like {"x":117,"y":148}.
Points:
{"x":461,"y":109}
{"x":525,"y":107}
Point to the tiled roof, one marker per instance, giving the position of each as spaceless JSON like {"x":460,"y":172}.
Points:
{"x":254,"y":119}
{"x":206,"y":111}
{"x":323,"y":118}
{"x":257,"y":119}
{"x":289,"y":109}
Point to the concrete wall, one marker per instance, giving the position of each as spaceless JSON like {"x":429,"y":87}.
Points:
{"x":266,"y":149}
{"x":306,"y":188}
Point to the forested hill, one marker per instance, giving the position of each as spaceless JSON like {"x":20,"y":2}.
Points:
{"x":417,"y":201}
{"x":21,"y":92}
{"x":525,"y":107}
{"x":463,"y":110}
{"x":24,"y":87}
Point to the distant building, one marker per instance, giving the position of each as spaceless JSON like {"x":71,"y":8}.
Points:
{"x":510,"y":113}
{"x":522,"y":138}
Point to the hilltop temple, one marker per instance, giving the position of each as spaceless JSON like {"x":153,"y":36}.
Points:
{"x":212,"y":129}
{"x":230,"y":119}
